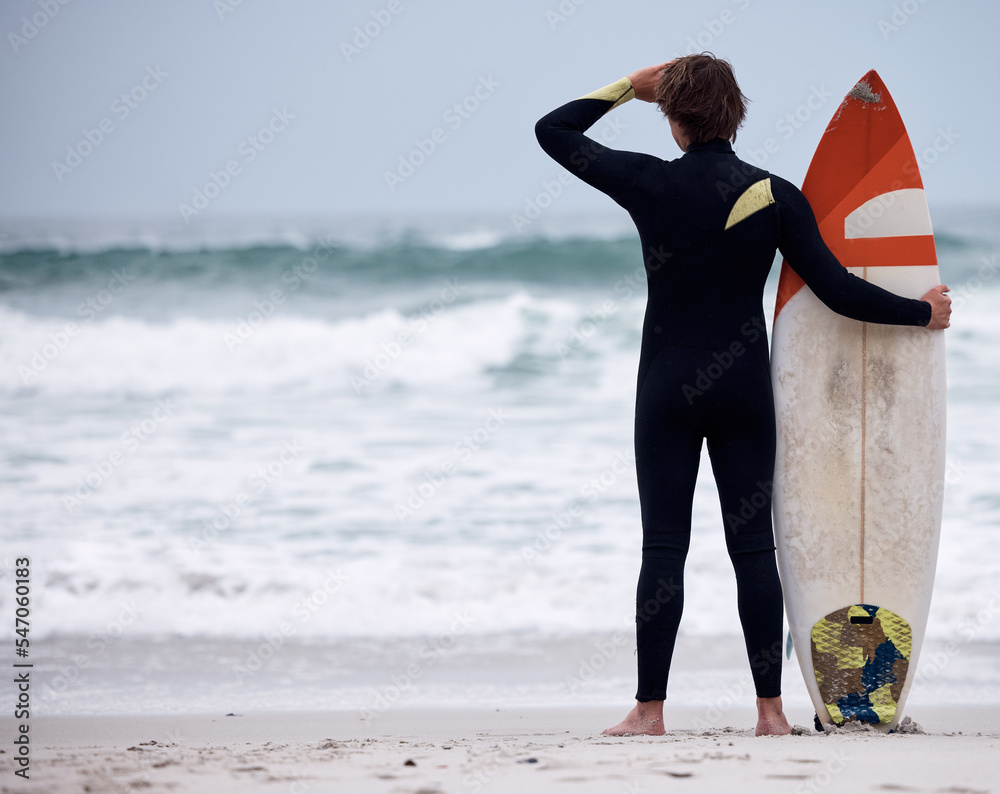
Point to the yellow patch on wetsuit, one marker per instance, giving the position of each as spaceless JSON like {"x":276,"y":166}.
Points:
{"x":754,"y":198}
{"x":618,"y":92}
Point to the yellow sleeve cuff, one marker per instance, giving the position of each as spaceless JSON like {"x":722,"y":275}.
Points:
{"x":618,"y":93}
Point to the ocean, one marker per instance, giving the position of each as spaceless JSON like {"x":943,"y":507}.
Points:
{"x":360,"y":464}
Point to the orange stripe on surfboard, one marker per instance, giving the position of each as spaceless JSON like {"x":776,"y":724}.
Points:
{"x":838,"y":183}
{"x":866,"y":252}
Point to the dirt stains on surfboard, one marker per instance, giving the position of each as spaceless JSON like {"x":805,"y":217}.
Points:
{"x":882,"y":383}
{"x":863,"y":91}
{"x":841,"y":386}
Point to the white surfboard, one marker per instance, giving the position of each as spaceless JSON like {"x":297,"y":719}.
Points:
{"x":860,"y":412}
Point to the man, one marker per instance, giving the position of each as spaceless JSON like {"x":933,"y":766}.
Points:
{"x":709,"y":225}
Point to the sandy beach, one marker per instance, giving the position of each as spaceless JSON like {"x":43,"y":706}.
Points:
{"x":424,"y":751}
{"x":319,"y":381}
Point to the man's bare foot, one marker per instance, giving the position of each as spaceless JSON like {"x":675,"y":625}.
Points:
{"x":771,"y":719}
{"x":646,"y":719}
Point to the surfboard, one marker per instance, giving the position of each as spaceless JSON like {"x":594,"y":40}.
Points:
{"x":860,"y":412}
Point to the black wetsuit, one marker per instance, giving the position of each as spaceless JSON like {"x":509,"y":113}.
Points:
{"x":709,"y":225}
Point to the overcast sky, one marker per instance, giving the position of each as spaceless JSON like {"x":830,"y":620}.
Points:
{"x":117,"y":108}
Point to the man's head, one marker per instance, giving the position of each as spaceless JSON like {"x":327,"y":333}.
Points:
{"x":700,"y":94}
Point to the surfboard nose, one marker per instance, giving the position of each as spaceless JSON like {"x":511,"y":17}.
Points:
{"x":869,"y":90}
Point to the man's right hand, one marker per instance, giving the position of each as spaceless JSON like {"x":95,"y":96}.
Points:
{"x":644,"y":81}
{"x":940,"y":308}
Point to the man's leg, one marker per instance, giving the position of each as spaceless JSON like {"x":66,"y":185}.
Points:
{"x":667,"y":452}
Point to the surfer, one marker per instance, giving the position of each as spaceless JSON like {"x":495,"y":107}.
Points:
{"x":709,"y":225}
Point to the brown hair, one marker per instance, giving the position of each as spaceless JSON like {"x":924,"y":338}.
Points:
{"x":700,"y":93}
